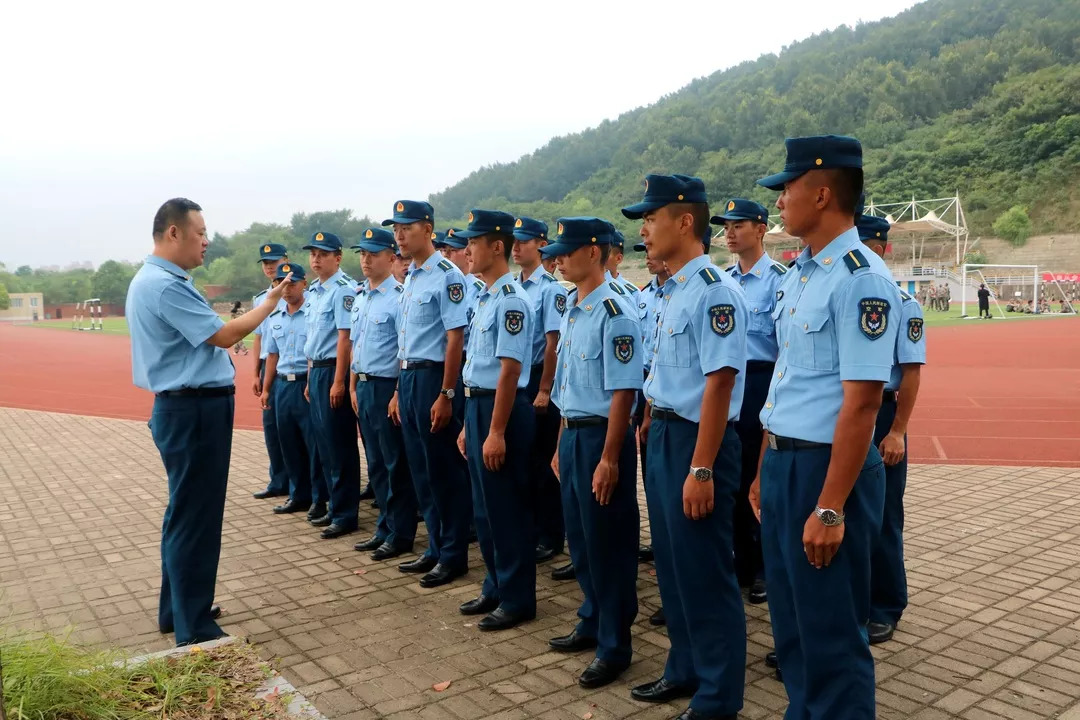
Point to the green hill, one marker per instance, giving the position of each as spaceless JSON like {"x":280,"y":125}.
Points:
{"x":976,"y":96}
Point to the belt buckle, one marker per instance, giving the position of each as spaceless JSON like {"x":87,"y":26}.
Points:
{"x":291,"y":377}
{"x":362,"y":377}
{"x":772,"y":441}
{"x":564,"y":421}
{"x":404,"y":364}
{"x":468,"y":391}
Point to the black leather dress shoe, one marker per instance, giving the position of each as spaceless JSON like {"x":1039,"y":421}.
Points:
{"x":657,"y":619}
{"x":386,"y":551}
{"x":316,"y":511}
{"x":757,"y":594}
{"x":422,"y":564}
{"x":480,"y":605}
{"x":441,"y":575}
{"x":268,"y":493}
{"x":501,"y":619}
{"x":545,"y":553}
{"x":660,"y":691}
{"x":291,"y":507}
{"x":215,"y":613}
{"x":601,"y":673}
{"x":772,"y":662}
{"x":692,"y":714}
{"x":572,"y":643}
{"x":201,"y":640}
{"x":566,"y":572}
{"x":644,"y":553}
{"x":335,"y":531}
{"x":372,"y":543}
{"x":368,"y":493}
{"x":323,"y":521}
{"x":880,"y":632}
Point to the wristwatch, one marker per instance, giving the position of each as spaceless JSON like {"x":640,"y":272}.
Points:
{"x":701,"y":474}
{"x":829,"y":518}
{"x":448,"y":392}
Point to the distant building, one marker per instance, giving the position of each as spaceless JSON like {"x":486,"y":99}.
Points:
{"x":25,"y":307}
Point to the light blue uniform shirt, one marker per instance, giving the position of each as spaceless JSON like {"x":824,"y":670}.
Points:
{"x":549,"y":305}
{"x":286,"y":335}
{"x":329,"y":309}
{"x":256,"y":301}
{"x":702,"y":329}
{"x":632,"y":293}
{"x":473,"y":287}
{"x":760,"y":284}
{"x":652,"y":299}
{"x":836,"y":318}
{"x":434,"y":302}
{"x":910,"y":339}
{"x":599,"y":353}
{"x":502,"y":328}
{"x":169,"y":323}
{"x":374,"y":335}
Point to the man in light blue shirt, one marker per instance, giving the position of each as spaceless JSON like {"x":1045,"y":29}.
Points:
{"x":631,"y":291}
{"x":271,"y":255}
{"x":178,"y":352}
{"x":453,"y":248}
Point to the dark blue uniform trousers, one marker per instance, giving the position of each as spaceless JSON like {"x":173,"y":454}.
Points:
{"x":307,"y":483}
{"x":194,"y":437}
{"x":603,"y":539}
{"x":749,"y":565}
{"x":819,"y":616}
{"x":388,"y":471}
{"x":888,"y":580}
{"x":502,"y":504}
{"x":335,"y":435}
{"x":546,"y":494}
{"x":279,"y":473}
{"x":694,"y":566}
{"x":438,"y":470}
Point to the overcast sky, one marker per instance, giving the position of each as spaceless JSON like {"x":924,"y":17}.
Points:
{"x":257,"y":110}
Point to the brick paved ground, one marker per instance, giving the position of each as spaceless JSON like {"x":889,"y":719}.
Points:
{"x":993,"y":558}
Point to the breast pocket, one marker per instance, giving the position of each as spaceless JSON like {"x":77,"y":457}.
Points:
{"x":586,"y":367}
{"x":424,"y":308}
{"x":673,"y":341}
{"x":813,"y":341}
{"x":761,"y":318}
{"x":325,"y":319}
{"x":484,"y":330}
{"x":379,"y":326}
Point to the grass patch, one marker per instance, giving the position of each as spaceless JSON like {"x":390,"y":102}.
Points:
{"x":111,"y":326}
{"x":46,"y":678}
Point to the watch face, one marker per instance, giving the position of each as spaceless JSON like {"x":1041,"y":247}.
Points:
{"x":829,"y":517}
{"x":703,"y":474}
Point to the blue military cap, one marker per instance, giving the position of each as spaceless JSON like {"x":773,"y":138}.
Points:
{"x":873,"y":228}
{"x":619,"y":240}
{"x":661,"y":190}
{"x":286,"y":268}
{"x":486,"y":222}
{"x":450,"y":239}
{"x":324,"y":241}
{"x":577,"y":232}
{"x":639,"y":247}
{"x":376,"y":240}
{"x":272,"y":251}
{"x":741,"y":209}
{"x":817,"y":152}
{"x":526,"y":229}
{"x":406,"y":212}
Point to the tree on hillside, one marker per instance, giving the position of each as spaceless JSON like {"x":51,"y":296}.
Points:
{"x":110,"y":282}
{"x":1014,"y":225}
{"x":218,"y":247}
{"x":24,"y":271}
{"x":5,"y":301}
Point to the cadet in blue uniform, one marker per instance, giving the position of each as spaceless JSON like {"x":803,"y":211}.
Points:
{"x":498,"y":426}
{"x":330,"y":303}
{"x":596,"y":382}
{"x":433,"y":325}
{"x":630,"y":291}
{"x":283,"y":394}
{"x":453,"y":249}
{"x":694,"y":391}
{"x":178,"y":352}
{"x":821,"y":481}
{"x":375,"y":368}
{"x":888,"y":580}
{"x":271,"y":256}
{"x":549,"y":305}
{"x":745,"y":223}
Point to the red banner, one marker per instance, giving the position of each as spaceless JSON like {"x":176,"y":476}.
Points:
{"x":1061,"y":277}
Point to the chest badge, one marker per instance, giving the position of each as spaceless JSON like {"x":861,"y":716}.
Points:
{"x":514,"y":321}
{"x":873,"y":317}
{"x":722,"y":319}
{"x":624,"y":348}
{"x":915,"y":329}
{"x":456,"y":292}
{"x":779,"y":295}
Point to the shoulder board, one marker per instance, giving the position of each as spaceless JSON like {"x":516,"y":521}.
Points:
{"x":855,"y":260}
{"x":479,"y":285}
{"x":259,"y":295}
{"x":399,"y":288}
{"x":615,"y":286}
{"x":709,"y":275}
{"x":348,"y":277}
{"x":508,"y":289}
{"x":779,"y":268}
{"x":632,"y":287}
{"x":276,"y":312}
{"x":549,"y":276}
{"x":445,"y":265}
{"x":904,"y":295}
{"x":612,"y":307}
{"x":729,"y":268}
{"x":342,"y":281}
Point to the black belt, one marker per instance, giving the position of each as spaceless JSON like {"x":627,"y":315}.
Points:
{"x":206,"y":392}
{"x":585,"y":421}
{"x":888,"y":396}
{"x":759,"y":366}
{"x":665,"y":414}
{"x":779,"y":442}
{"x":330,"y":362}
{"x":475,"y":392}
{"x":419,"y":364}
{"x":364,"y":377}
{"x":293,"y":377}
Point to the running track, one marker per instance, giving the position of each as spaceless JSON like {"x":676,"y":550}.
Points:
{"x":994,"y":393}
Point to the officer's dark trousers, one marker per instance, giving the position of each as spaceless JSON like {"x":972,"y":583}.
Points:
{"x":388,"y":471}
{"x":748,"y":562}
{"x":984,"y":308}
{"x":694,"y":566}
{"x":335,"y":433}
{"x":819,"y":616}
{"x":502,"y":504}
{"x":307,"y":483}
{"x":603,"y":539}
{"x":194,"y":437}
{"x":438,"y":470}
{"x":888,"y":580}
{"x":546,"y":499}
{"x":279,"y":473}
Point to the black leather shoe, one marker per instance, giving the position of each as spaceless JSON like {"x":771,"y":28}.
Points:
{"x":601,"y":673}
{"x":422,"y":564}
{"x":441,"y":575}
{"x":480,"y":605}
{"x":545,"y":553}
{"x":572,"y":643}
{"x":771,"y":661}
{"x":660,"y":691}
{"x":757,"y":594}
{"x":657,"y":619}
{"x":321,"y":521}
{"x":501,"y":619}
{"x":290,"y":507}
{"x":368,"y":493}
{"x":316,"y":511}
{"x":566,"y":572}
{"x":644,"y":553}
{"x":335,"y":531}
{"x":880,"y":632}
{"x":268,"y":493}
{"x":215,"y":613}
{"x":372,"y":543}
{"x":692,"y":714}
{"x":386,"y":551}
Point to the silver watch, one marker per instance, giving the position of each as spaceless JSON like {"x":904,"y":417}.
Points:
{"x":829,"y":518}
{"x":448,"y":392}
{"x":701,"y":474}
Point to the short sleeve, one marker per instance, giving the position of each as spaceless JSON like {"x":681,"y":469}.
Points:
{"x":182,"y":307}
{"x":911,"y":336}
{"x":621,"y":353}
{"x":553,"y":307}
{"x":453,"y":305}
{"x":866,"y":316}
{"x":343,"y":307}
{"x":514,"y":330}
{"x":720,"y":324}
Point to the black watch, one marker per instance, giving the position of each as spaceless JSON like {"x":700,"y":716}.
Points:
{"x":448,"y":393}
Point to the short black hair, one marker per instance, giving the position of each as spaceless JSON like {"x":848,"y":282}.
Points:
{"x":700,"y":212}
{"x":847,"y":185}
{"x":507,"y":241}
{"x":605,"y":253}
{"x":173,"y":212}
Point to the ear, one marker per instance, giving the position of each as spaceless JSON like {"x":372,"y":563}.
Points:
{"x":824,"y":197}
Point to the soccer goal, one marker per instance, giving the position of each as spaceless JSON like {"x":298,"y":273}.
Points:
{"x":91,"y":308}
{"x":1013,"y":283}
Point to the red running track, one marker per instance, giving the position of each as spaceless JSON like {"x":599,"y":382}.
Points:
{"x":994,"y":393}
